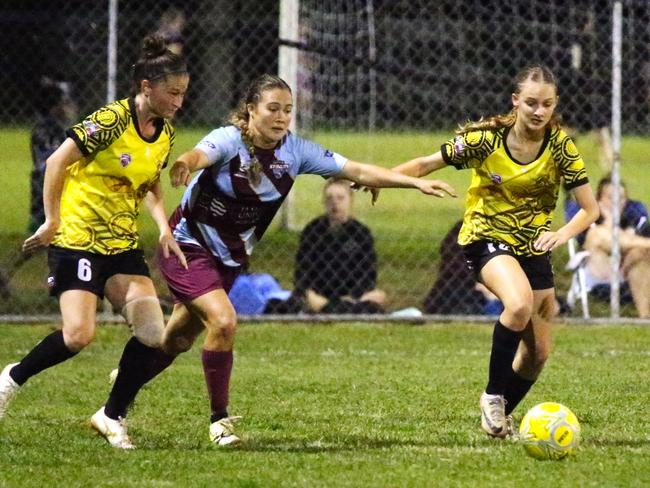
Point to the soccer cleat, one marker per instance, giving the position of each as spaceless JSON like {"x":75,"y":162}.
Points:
{"x":511,"y":431}
{"x":222,"y":432}
{"x":493,"y":415}
{"x":114,"y":431}
{"x":8,"y":388}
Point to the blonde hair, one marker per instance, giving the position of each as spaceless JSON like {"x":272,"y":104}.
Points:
{"x":240,"y":118}
{"x":537,"y":73}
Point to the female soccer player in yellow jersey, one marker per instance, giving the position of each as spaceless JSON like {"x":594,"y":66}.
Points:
{"x":94,"y":185}
{"x":518,"y":161}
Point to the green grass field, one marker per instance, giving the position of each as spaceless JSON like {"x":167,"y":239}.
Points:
{"x":345,"y":405}
{"x":407,"y":225}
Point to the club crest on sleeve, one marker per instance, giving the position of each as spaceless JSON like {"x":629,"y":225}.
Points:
{"x":496,"y":178}
{"x":125,"y":159}
{"x":459,"y":145}
{"x":328,"y":153}
{"x":89,"y":127}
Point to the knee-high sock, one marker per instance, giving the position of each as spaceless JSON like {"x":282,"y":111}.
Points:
{"x":47,"y":353}
{"x":516,"y":391}
{"x":139,"y":364}
{"x":217,"y":367}
{"x":504,"y":347}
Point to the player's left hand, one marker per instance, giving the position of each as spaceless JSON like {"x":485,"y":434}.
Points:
{"x":168,"y":243}
{"x":549,"y":241}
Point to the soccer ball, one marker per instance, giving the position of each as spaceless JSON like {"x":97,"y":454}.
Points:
{"x":549,"y":431}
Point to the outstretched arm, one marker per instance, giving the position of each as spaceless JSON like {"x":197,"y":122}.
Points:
{"x":422,"y":166}
{"x":417,"y":168}
{"x":378,"y":177}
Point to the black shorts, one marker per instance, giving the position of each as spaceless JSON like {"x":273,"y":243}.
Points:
{"x":71,"y":269}
{"x":538,"y":269}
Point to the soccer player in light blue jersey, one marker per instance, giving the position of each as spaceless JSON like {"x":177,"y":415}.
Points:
{"x":245,"y":170}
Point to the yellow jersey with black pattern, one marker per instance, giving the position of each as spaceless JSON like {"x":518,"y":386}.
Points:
{"x":104,"y":189}
{"x":508,"y":201}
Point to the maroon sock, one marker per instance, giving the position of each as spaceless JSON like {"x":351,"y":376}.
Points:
{"x":217,"y":366}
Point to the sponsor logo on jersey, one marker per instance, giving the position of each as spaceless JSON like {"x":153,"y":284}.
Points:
{"x":459,"y":145}
{"x":496,"y":178}
{"x":90,"y":127}
{"x":125,"y":159}
{"x":279,"y":168}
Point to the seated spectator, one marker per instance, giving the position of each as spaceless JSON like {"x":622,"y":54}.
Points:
{"x":634,"y":213}
{"x":634,"y":244}
{"x":336,"y":264}
{"x":456,"y":290}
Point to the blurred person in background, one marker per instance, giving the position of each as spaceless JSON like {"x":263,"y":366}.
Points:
{"x":634,"y":240}
{"x":336,"y":263}
{"x":94,"y":185}
{"x":456,"y":290}
{"x":170,"y":28}
{"x":56,"y":110}
{"x":245,"y":171}
{"x":518,"y":161}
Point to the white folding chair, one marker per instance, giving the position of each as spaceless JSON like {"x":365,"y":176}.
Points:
{"x":578,"y":290}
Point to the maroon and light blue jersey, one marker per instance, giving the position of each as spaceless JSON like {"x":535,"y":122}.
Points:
{"x":223,"y":212}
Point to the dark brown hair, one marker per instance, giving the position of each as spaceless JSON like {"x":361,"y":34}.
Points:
{"x":239,"y":117}
{"x":156,"y":62}
{"x":606,"y":181}
{"x":537,"y":73}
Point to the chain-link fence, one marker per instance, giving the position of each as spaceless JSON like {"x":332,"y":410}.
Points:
{"x":376,"y":80}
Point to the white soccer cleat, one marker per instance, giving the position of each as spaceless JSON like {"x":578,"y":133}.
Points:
{"x":114,"y":431}
{"x":493,"y":415}
{"x":222,"y":432}
{"x":8,"y":388}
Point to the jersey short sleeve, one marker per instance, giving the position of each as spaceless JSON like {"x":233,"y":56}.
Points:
{"x":468,"y":150}
{"x":99,"y":129}
{"x":220,"y":145}
{"x":317,"y":160}
{"x":569,"y":161}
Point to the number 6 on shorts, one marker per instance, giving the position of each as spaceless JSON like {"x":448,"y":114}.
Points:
{"x":84,"y":270}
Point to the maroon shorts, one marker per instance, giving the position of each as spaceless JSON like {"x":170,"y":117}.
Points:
{"x":205,"y":273}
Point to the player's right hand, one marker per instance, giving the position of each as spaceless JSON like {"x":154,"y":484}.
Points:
{"x":374,"y":192}
{"x":41,"y":238}
{"x":437,"y":188}
{"x":180,"y":174}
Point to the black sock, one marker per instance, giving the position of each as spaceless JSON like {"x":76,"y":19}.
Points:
{"x":218,"y":416}
{"x":47,"y":353}
{"x":516,"y":390}
{"x":504,"y":347}
{"x":139,"y":364}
